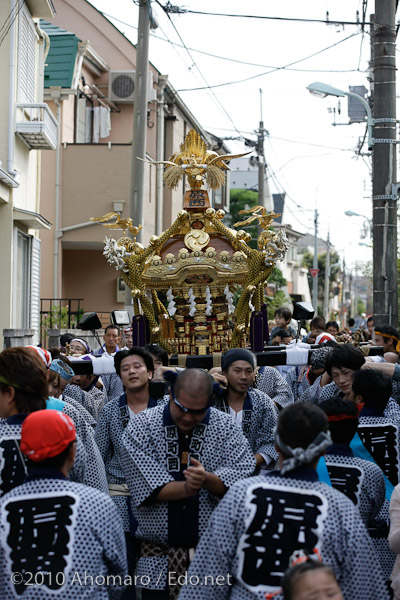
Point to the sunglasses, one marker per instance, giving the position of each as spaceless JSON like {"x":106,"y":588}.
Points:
{"x":185,"y":409}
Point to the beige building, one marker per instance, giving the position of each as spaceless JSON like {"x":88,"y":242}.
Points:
{"x":26,"y":128}
{"x":89,"y":84}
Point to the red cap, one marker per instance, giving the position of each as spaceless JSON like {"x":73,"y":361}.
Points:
{"x":46,"y":433}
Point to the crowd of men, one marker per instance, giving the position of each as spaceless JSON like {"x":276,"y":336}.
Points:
{"x":111,"y":489}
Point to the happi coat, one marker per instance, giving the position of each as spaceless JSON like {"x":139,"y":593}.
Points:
{"x":258,"y":420}
{"x":380,"y":435}
{"x":259,"y":524}
{"x":60,"y":539}
{"x":95,"y":474}
{"x":108,"y":435}
{"x":272,"y":383}
{"x":93,"y":400}
{"x":360,"y":480}
{"x":152,"y":456}
{"x":13,"y":464}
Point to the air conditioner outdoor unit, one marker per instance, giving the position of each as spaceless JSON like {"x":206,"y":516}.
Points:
{"x":121,"y":86}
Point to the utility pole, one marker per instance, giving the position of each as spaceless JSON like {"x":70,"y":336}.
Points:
{"x":140,"y":116}
{"x":162,"y":82}
{"x":135,"y":210}
{"x":355,"y":311}
{"x":384,"y":203}
{"x":343,"y":302}
{"x":264,"y":196}
{"x":315,"y":264}
{"x":327,"y":273}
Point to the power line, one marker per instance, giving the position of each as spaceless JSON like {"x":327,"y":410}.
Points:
{"x":280,"y":186}
{"x":311,"y":144}
{"x":227,"y":58}
{"x":272,"y":70}
{"x":251,"y":64}
{"x":297,"y":20}
{"x":8,"y":23}
{"x":198,"y":69}
{"x":243,"y":133}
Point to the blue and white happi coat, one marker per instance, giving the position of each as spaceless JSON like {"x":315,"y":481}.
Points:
{"x":259,"y":419}
{"x":262,"y":521}
{"x":13,"y":464}
{"x":95,"y":474}
{"x":271,"y":382}
{"x":360,"y":480}
{"x":297,"y":380}
{"x":153,"y":457}
{"x":112,"y":386}
{"x":108,"y":435}
{"x":60,"y":539}
{"x":380,"y":435}
{"x":92,"y":401}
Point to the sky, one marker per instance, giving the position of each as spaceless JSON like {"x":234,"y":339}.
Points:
{"x":315,"y":163}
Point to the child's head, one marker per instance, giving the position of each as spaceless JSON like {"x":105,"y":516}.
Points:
{"x":373,"y":388}
{"x":332,"y":327}
{"x":283,"y":316}
{"x":317,"y":324}
{"x":309,"y":579}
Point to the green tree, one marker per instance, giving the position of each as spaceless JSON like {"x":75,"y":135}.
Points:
{"x":242,"y":200}
{"x":280,"y":298}
{"x":360,"y":306}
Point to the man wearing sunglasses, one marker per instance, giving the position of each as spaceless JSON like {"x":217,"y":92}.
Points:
{"x":179,"y":460}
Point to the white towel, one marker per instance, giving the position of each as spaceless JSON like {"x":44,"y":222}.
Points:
{"x":105,"y":121}
{"x":96,"y":124}
{"x":88,"y":125}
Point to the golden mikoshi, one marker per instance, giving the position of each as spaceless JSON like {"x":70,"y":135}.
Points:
{"x":197,"y":262}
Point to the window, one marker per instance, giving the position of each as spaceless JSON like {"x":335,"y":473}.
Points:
{"x":27,"y":47}
{"x":22,"y":279}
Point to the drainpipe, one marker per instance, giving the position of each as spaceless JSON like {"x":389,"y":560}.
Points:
{"x":162,"y":82}
{"x":11,"y":108}
{"x":56,"y":97}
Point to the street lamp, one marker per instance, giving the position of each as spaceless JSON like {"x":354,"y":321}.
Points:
{"x":323,"y":90}
{"x":351,"y":213}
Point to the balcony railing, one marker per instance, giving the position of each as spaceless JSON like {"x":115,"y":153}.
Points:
{"x":36,"y":126}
